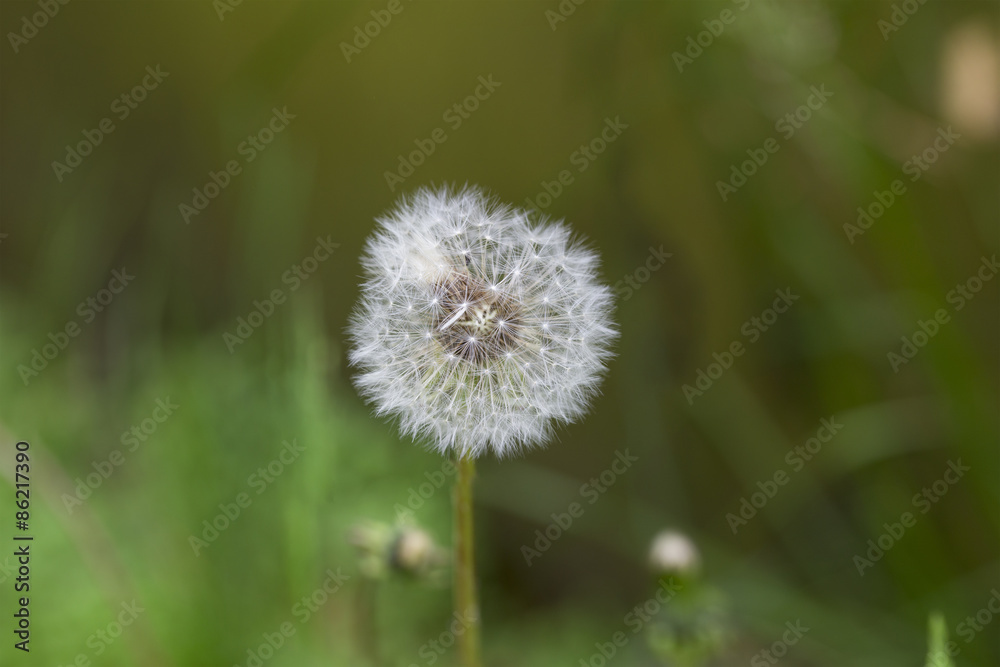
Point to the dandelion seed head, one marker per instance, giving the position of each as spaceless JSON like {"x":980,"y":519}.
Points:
{"x":479,"y":326}
{"x":673,"y":552}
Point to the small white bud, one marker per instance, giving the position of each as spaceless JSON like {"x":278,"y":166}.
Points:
{"x":673,"y":551}
{"x":414,"y":551}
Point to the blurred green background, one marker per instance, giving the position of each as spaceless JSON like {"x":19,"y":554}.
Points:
{"x":563,"y":70}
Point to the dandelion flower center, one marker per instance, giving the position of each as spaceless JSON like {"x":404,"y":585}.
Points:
{"x":475,"y":323}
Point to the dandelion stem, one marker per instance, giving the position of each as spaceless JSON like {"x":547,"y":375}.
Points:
{"x":366,"y":619}
{"x":466,"y":600}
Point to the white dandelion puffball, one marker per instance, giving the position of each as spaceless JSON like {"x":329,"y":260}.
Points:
{"x":673,"y":551}
{"x":478,"y":326}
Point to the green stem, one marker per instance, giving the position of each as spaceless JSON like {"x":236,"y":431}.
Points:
{"x":466,"y":601}
{"x":366,"y":620}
